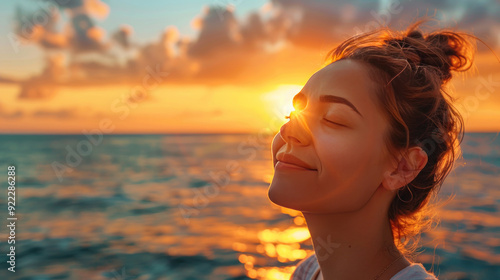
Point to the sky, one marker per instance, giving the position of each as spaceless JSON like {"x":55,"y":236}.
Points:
{"x":75,"y":66}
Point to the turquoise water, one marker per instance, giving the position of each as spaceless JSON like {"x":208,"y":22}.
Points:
{"x":196,"y":207}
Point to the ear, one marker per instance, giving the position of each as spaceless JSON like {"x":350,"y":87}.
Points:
{"x":408,"y":167}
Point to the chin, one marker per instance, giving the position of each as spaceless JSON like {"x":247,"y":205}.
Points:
{"x":288,"y":194}
{"x":276,"y":194}
{"x":283,"y":195}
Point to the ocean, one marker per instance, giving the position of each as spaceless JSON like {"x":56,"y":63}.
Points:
{"x":196,"y":207}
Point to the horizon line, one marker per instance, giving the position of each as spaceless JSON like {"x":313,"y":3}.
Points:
{"x":170,"y":133}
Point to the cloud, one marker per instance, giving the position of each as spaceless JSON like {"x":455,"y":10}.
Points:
{"x":163,"y":51}
{"x":169,"y":53}
{"x":85,"y":35}
{"x":321,"y":22}
{"x":219,"y":32}
{"x":255,"y":34}
{"x":122,"y":36}
{"x":95,"y":8}
{"x":36,"y":89}
{"x":8,"y":80}
{"x":80,"y":33}
{"x":268,"y":43}
{"x":226,"y":46}
{"x":40,"y":27}
{"x":44,"y":86}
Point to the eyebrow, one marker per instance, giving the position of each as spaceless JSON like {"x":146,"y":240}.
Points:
{"x":338,"y":99}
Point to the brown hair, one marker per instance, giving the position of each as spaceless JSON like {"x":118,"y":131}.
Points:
{"x":412,"y":70}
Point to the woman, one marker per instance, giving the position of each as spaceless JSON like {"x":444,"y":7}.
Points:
{"x":372,"y":138}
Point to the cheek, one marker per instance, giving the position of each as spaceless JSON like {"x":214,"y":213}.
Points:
{"x":341,"y":153}
{"x":350,"y":153}
{"x":350,"y":172}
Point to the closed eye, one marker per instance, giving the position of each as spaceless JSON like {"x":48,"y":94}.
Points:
{"x":328,"y":121}
{"x":334,"y":123}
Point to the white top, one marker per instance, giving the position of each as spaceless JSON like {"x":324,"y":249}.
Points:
{"x":415,"y":271}
{"x":308,"y":269}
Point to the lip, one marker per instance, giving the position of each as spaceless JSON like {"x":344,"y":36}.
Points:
{"x":290,"y":161}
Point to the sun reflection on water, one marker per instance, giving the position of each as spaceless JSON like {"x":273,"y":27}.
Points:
{"x":281,"y":246}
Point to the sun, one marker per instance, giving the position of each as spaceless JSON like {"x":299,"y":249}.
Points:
{"x":279,"y":101}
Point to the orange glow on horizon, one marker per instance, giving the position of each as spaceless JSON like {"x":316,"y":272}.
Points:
{"x":185,"y":108}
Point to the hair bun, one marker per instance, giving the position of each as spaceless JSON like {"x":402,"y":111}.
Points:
{"x":415,"y":34}
{"x":445,"y":50}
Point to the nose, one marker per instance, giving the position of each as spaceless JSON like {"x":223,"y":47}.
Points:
{"x":296,"y":130}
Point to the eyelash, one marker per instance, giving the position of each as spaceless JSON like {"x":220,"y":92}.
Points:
{"x":333,"y":122}
{"x":288,"y":117}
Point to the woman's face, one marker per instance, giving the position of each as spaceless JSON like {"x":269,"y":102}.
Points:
{"x":337,"y":134}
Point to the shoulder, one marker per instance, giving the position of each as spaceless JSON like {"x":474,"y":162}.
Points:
{"x":415,"y":271}
{"x":306,"y":269}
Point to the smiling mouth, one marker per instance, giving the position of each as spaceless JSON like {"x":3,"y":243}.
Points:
{"x":286,"y":165}
{"x":289,"y":161}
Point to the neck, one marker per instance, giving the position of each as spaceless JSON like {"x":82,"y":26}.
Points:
{"x":355,"y":245}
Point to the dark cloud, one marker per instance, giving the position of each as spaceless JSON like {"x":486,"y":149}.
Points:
{"x":219,"y":33}
{"x":80,"y":34}
{"x":321,"y":23}
{"x":40,"y":27}
{"x":70,"y":4}
{"x":483,"y":21}
{"x":122,"y":36}
{"x":255,"y":33}
{"x":86,"y":35}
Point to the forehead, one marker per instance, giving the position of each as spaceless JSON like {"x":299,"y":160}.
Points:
{"x":345,"y":78}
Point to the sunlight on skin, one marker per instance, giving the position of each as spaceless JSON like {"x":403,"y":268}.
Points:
{"x":280,"y":100}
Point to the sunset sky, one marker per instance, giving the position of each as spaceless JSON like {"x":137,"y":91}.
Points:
{"x":68,"y":66}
